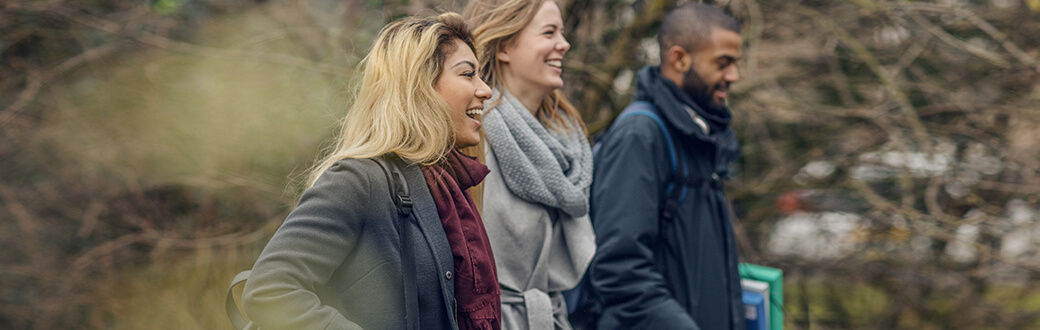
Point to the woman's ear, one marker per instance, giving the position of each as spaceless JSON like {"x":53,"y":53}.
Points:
{"x":502,"y":55}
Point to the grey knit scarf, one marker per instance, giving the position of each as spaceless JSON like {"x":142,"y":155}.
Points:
{"x":538,"y":164}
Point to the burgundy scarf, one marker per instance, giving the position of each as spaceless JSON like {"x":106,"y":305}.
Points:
{"x":476,"y":281}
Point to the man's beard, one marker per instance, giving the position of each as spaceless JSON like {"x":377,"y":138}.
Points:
{"x":698,"y":90}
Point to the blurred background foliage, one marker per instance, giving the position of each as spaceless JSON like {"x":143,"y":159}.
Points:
{"x":149,"y":148}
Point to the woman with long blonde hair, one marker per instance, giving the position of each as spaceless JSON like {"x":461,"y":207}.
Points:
{"x":354,"y":255}
{"x":535,"y":201}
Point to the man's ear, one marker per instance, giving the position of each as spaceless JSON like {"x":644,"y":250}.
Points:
{"x":678,"y":59}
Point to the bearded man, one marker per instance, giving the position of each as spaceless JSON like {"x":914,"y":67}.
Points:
{"x":666,"y":256}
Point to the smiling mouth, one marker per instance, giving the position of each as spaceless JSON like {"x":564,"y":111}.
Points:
{"x":721,"y":91}
{"x":555,"y":63}
{"x":474,"y":113}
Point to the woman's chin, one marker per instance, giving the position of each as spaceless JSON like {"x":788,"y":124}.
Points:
{"x":466,"y":143}
{"x":554,"y":85}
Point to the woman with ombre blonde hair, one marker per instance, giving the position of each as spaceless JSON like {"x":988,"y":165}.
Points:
{"x":350,"y":255}
{"x":535,"y":201}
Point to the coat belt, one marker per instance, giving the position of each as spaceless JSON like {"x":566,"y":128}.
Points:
{"x":541,"y":308}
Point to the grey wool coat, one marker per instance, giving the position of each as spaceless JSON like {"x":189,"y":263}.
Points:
{"x":335,"y":262}
{"x":539,"y":252}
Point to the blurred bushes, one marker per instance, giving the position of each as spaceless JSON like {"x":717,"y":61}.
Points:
{"x":139,"y":170}
{"x":916,"y":113}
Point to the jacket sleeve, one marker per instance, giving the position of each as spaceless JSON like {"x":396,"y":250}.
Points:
{"x":311,"y":244}
{"x":625,"y":210}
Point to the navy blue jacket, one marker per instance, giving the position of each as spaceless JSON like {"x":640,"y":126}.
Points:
{"x":655,"y":275}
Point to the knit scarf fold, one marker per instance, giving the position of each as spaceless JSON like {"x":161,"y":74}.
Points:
{"x":540,"y":165}
{"x":476,"y":281}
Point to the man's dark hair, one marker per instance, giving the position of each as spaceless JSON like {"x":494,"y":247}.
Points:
{"x":689,"y":26}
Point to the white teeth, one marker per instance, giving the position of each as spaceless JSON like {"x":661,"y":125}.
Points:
{"x":555,"y":63}
{"x":474,"y":112}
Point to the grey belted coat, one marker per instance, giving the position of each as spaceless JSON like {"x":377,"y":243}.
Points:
{"x":539,"y":252}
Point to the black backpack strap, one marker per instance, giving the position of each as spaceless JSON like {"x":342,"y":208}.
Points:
{"x":398,"y":185}
{"x":399,"y":194}
{"x":679,"y":177}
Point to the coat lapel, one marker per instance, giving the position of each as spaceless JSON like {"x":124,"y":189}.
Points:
{"x":425,"y":212}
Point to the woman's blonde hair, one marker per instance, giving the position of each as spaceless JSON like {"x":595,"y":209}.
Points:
{"x":495,"y":24}
{"x":397,"y":109}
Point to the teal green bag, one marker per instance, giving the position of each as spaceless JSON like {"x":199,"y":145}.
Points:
{"x":775,"y":278}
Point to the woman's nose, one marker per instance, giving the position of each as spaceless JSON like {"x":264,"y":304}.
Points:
{"x":563,"y":46}
{"x":483,"y":90}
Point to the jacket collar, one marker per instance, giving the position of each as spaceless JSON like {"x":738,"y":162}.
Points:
{"x":675,"y":105}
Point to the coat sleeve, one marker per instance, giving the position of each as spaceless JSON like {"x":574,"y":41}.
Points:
{"x":311,"y":244}
{"x":625,"y":210}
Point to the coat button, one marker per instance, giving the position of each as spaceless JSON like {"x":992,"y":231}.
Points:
{"x":447,"y":275}
{"x":715,"y":176}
